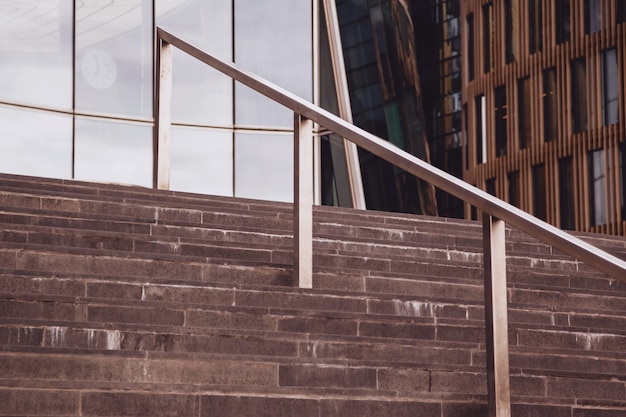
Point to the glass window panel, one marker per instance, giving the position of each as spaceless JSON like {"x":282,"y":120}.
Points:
{"x":501,"y":117}
{"x":566,"y":193}
{"x":550,"y":114}
{"x":470,"y":47}
{"x":36,"y":52}
{"x":622,"y":176}
{"x":264,"y":166}
{"x":536,"y":25}
{"x":511,"y":29}
{"x":200,"y":94}
{"x":202,"y":161}
{"x":514,"y":189}
{"x":111,"y":151}
{"x":273,"y":38}
{"x":525,"y":127}
{"x":114,"y":57}
{"x":539,"y":191}
{"x":593,"y":16}
{"x":597,"y":188}
{"x":35,"y":143}
{"x":562,"y":12}
{"x":610,"y":87}
{"x":488,"y":37}
{"x":481,"y":129}
{"x":579,"y":95}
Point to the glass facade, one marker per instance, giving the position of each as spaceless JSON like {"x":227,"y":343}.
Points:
{"x":76,"y":82}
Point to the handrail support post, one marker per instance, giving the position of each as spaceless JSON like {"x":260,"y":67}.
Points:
{"x":498,"y":383}
{"x":163,"y":117}
{"x":303,"y":202}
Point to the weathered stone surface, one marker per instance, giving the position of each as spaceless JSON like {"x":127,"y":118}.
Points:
{"x":588,"y":389}
{"x":322,"y":325}
{"x":236,"y":406}
{"x":38,"y":402}
{"x":326,"y":376}
{"x":113,"y":314}
{"x":229,"y":320}
{"x":347,"y":408}
{"x":404,"y":380}
{"x":471,"y":383}
{"x":112,"y":404}
{"x":398,"y":330}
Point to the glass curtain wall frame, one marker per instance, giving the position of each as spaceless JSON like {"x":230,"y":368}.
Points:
{"x":383,"y":79}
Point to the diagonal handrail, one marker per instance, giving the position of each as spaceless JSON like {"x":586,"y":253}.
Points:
{"x":496,"y":212}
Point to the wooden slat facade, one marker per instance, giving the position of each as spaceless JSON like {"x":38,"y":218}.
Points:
{"x":541,"y":150}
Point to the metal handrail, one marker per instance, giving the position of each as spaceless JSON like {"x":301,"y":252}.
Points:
{"x":495,"y":211}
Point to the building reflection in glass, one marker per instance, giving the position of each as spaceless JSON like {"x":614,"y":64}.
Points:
{"x":384,"y":84}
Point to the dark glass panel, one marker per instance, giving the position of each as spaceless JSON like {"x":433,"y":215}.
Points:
{"x":536,"y":25}
{"x":524,"y":125}
{"x":579,"y":95}
{"x":550,"y":112}
{"x":563,"y":17}
{"x":566,"y":193}
{"x":511,"y":29}
{"x":514,"y":189}
{"x":490,"y":186}
{"x":501,"y":118}
{"x":622,"y":176}
{"x":488,"y":37}
{"x":470,"y":47}
{"x":539,"y":191}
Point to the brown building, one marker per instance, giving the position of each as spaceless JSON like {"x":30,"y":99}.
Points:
{"x":543,"y":104}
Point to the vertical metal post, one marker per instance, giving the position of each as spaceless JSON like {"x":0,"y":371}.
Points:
{"x":303,"y":202}
{"x":496,"y":321}
{"x":163,"y":116}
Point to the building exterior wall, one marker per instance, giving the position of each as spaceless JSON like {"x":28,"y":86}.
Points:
{"x":543,"y":99}
{"x":76,"y":91}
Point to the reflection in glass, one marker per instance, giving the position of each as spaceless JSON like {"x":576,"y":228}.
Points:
{"x":202,"y":161}
{"x":386,"y":97}
{"x":35,"y":143}
{"x":114,"y":57}
{"x":273,"y":38}
{"x":200,"y":94}
{"x":111,"y":151}
{"x":610,"y":87}
{"x":36,"y":52}
{"x":264,"y":166}
{"x":593,"y":16}
{"x":597,"y":188}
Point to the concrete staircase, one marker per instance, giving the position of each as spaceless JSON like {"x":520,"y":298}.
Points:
{"x":122,"y":301}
